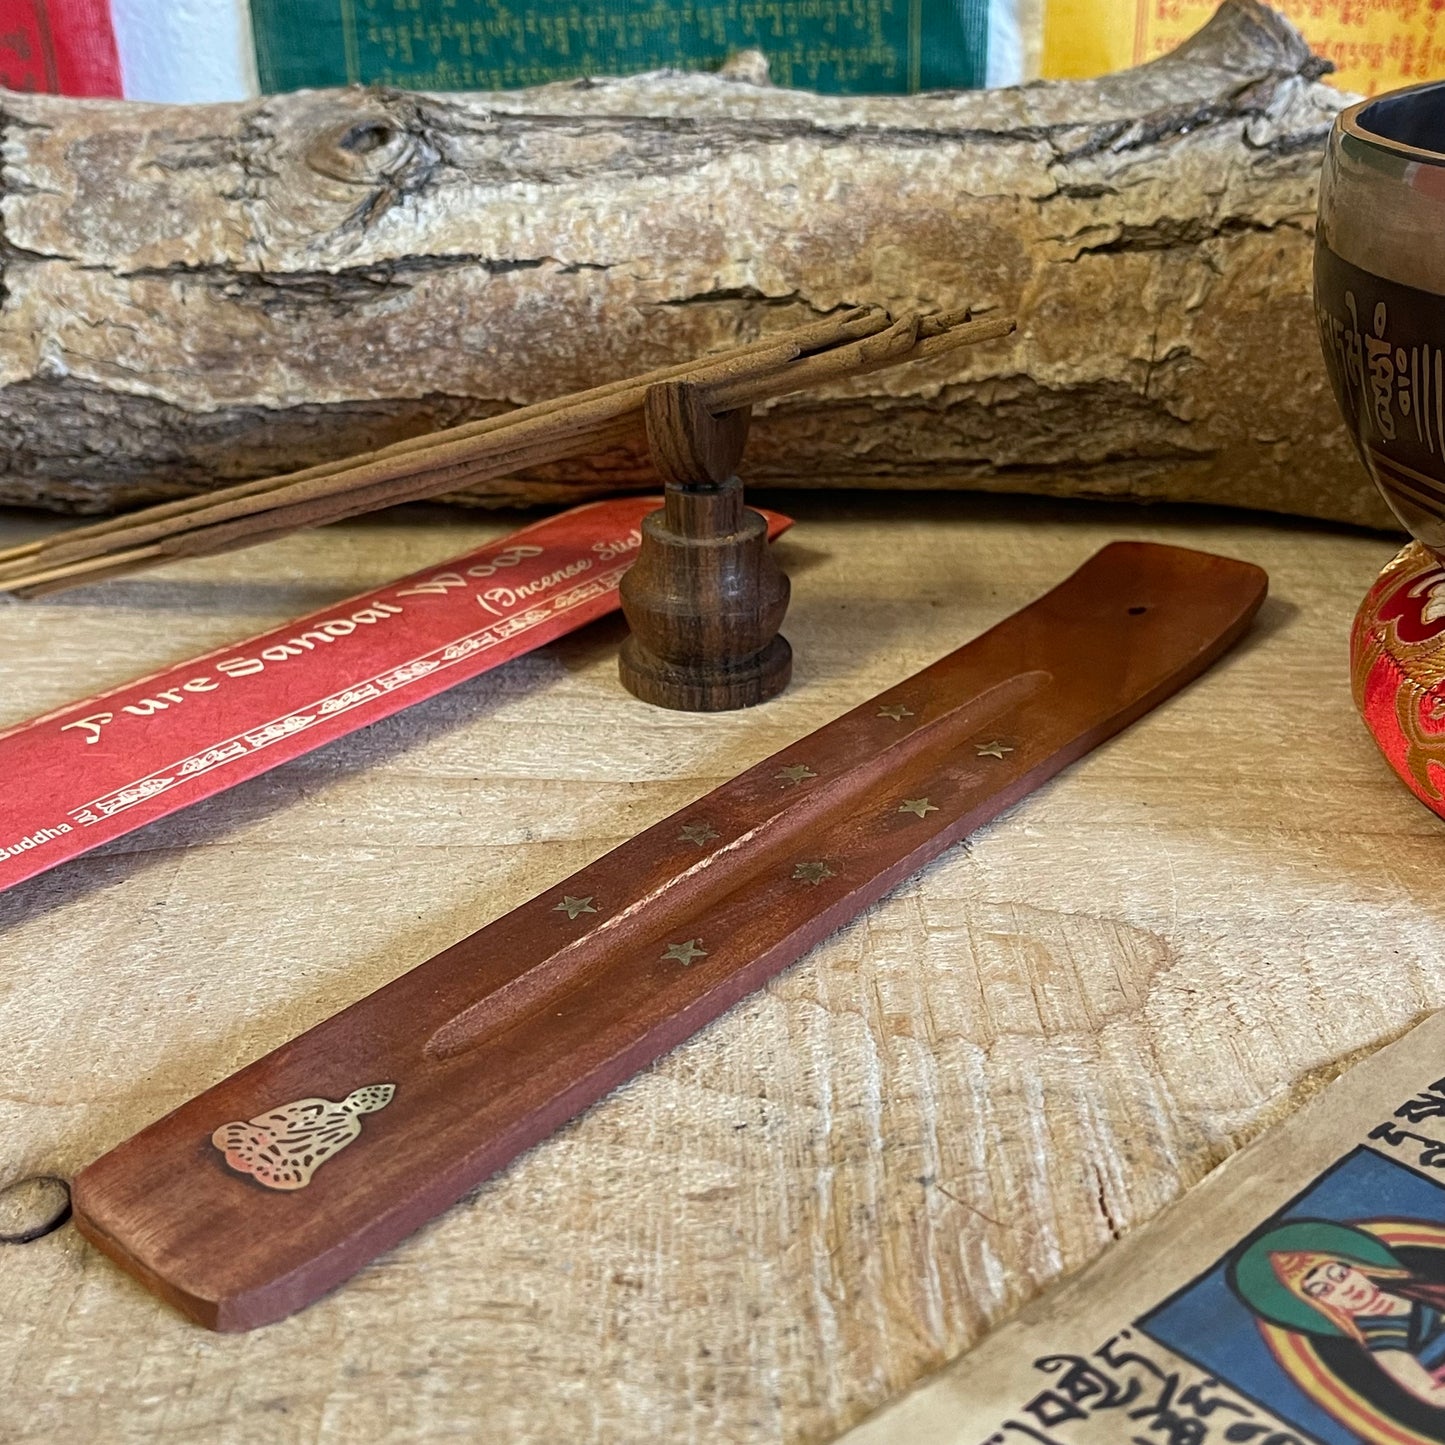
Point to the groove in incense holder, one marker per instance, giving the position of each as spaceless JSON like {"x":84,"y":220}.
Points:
{"x":485,"y":1049}
{"x":789,"y":821}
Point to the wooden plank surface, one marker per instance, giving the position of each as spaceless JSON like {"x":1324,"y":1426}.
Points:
{"x":1024,"y":1052}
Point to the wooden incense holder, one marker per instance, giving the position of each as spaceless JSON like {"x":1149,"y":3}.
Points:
{"x":705,"y":598}
{"x":273,"y":1186}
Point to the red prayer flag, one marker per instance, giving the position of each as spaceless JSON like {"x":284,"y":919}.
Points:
{"x":60,"y":47}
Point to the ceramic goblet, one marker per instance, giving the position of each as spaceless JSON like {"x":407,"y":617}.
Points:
{"x":1380,"y":295}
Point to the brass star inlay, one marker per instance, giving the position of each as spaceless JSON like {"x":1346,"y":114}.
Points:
{"x":795,"y":774}
{"x":995,"y":749}
{"x":698,"y":833}
{"x":896,"y":711}
{"x":684,"y":953}
{"x":921,"y":806}
{"x":813,"y":873}
{"x":573,"y":906}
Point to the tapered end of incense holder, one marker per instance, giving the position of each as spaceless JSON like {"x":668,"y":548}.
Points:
{"x":705,"y":598}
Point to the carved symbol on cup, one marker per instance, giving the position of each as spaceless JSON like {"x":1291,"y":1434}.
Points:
{"x":698,"y":833}
{"x":920,"y":806}
{"x":813,"y":873}
{"x":573,"y":906}
{"x":995,"y":749}
{"x":685,"y":953}
{"x":282,"y":1149}
{"x":792,"y":776}
{"x":896,"y":711}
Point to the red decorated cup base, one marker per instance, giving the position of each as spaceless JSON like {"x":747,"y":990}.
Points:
{"x":1397,"y":664}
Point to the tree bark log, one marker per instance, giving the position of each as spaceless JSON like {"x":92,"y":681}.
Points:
{"x":197,"y":295}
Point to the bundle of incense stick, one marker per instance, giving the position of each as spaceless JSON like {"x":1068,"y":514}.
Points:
{"x":854,"y":342}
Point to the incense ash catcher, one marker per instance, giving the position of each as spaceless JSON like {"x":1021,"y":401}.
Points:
{"x":275,"y":1185}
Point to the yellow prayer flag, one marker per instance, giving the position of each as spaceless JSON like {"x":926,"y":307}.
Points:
{"x":1376,"y":45}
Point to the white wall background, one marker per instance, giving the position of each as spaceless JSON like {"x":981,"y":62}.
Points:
{"x":185,"y":49}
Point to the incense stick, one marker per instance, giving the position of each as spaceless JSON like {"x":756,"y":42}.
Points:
{"x":857,"y":322}
{"x":854,"y":343}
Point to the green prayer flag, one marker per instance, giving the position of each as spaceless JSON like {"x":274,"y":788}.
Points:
{"x":838,"y":46}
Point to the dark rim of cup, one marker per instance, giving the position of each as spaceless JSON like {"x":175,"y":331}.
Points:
{"x":1409,"y":123}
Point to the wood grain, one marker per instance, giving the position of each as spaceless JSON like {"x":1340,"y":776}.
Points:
{"x":1022,"y":1053}
{"x":199,"y":295}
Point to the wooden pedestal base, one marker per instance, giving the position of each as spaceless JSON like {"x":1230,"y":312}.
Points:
{"x":705,"y":598}
{"x":664,"y":685}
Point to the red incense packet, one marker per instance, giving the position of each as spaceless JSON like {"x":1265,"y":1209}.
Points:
{"x":101,"y":768}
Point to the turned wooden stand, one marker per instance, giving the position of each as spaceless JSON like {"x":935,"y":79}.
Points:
{"x":705,"y":598}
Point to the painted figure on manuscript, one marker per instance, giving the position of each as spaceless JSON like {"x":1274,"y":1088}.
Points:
{"x":1331,"y":1313}
{"x":1342,"y":1283}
